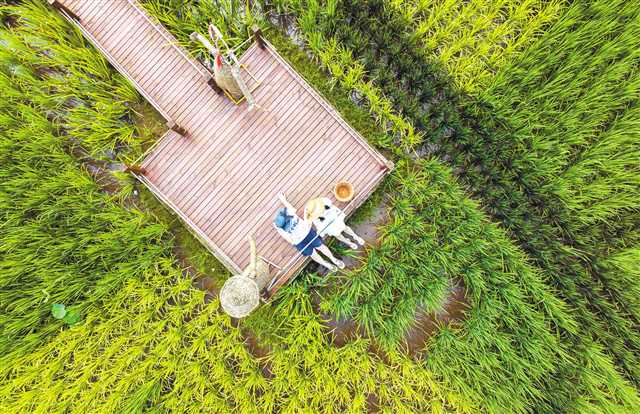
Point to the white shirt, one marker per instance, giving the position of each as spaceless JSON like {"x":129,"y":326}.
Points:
{"x":331,"y":222}
{"x":298,"y":231}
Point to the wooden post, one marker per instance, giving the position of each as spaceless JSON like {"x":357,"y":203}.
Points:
{"x":136,"y":169}
{"x":177,"y":128}
{"x":212,"y":82}
{"x":257,"y":34}
{"x":61,"y":7}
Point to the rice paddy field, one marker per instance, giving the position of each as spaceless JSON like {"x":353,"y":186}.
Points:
{"x":504,"y":271}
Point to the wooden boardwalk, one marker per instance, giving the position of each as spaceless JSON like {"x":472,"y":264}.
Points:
{"x":222,"y":176}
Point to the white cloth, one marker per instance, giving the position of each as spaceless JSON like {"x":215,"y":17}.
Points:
{"x":331,"y":221}
{"x":299,"y":229}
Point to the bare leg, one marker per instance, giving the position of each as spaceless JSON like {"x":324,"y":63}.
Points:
{"x":346,"y":241}
{"x":318,"y":259}
{"x":353,"y":234}
{"x":325,"y":250}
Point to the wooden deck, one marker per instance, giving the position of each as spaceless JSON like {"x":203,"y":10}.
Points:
{"x":223,"y":175}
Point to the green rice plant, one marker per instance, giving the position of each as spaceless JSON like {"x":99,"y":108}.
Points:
{"x":147,"y":354}
{"x":234,"y":18}
{"x":345,"y":69}
{"x":69,"y":81}
{"x":474,"y":39}
{"x":62,"y":235}
{"x":511,"y":307}
{"x":563,"y":374}
{"x":145,"y":351}
{"x":147,"y":343}
{"x":595,"y":69}
{"x":497,"y":167}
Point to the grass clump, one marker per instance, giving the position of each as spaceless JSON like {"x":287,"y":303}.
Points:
{"x":475,"y":39}
{"x":63,"y":239}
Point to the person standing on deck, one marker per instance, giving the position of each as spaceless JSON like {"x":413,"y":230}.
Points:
{"x":329,"y":221}
{"x":301,"y":234}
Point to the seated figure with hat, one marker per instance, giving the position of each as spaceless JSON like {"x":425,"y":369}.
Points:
{"x":302,"y":236}
{"x":329,"y":221}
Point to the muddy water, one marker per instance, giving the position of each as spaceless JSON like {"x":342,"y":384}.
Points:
{"x":342,"y":331}
{"x":99,"y":170}
{"x":259,"y":351}
{"x":428,"y":324}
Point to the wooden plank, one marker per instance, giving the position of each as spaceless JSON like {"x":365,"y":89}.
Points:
{"x":152,"y":68}
{"x":296,"y":267}
{"x":301,"y":190}
{"x":220,"y":101}
{"x":129,"y":53}
{"x":243,"y":141}
{"x":278,"y":165}
{"x":323,"y":185}
{"x":306,"y":127}
{"x":286,"y":177}
{"x":303,"y":185}
{"x":100,"y":22}
{"x":300,"y":193}
{"x":158,"y":151}
{"x":204,"y":120}
{"x":236,"y":121}
{"x":84,"y":9}
{"x":221,"y":113}
{"x":261,"y":71}
{"x":266,"y":140}
{"x":266,"y":187}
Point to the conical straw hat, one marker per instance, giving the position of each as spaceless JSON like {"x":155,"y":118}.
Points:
{"x":239,"y":296}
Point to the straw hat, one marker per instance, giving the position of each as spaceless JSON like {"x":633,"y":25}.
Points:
{"x":313,"y":209}
{"x":239,"y":296}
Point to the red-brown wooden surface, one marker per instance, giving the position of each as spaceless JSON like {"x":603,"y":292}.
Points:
{"x":222,"y":178}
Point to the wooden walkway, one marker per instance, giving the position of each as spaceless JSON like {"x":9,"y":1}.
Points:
{"x":222,"y":176}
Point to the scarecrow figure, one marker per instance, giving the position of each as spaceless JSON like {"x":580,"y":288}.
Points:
{"x":226,"y":66}
{"x":301,"y":234}
{"x":222,"y":71}
{"x":329,"y":221}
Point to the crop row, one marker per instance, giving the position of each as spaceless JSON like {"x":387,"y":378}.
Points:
{"x":372,"y":286}
{"x":154,"y":345}
{"x":475,"y":39}
{"x":62,"y":237}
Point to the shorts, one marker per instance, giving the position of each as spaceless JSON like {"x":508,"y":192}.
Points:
{"x":309,"y":244}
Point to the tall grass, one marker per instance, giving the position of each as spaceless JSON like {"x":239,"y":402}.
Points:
{"x":436,"y":234}
{"x":157,"y":348}
{"x":475,"y":39}
{"x":50,"y":62}
{"x":311,"y":17}
{"x":62,"y":237}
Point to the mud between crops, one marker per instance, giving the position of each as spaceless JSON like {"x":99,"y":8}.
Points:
{"x":428,"y":324}
{"x":453,"y":309}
